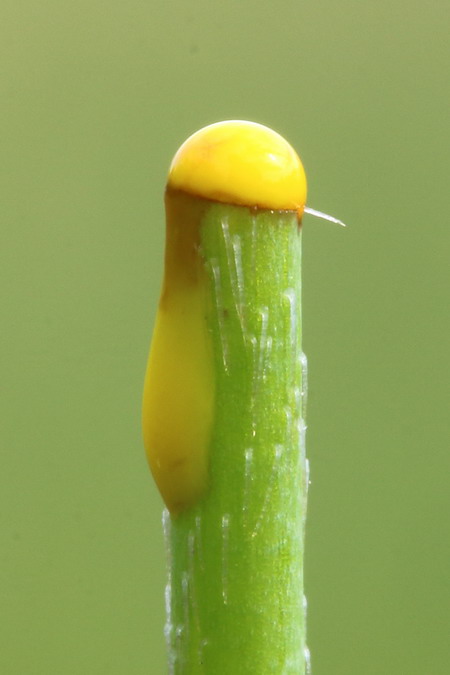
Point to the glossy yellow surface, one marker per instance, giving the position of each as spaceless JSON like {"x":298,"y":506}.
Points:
{"x":243,"y":163}
{"x":179,"y":383}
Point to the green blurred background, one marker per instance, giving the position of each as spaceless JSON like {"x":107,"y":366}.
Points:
{"x":96,"y":96}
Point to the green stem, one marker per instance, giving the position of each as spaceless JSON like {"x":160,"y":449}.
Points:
{"x":235,"y":594}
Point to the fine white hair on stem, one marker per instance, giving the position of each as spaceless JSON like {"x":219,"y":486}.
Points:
{"x":323,"y":216}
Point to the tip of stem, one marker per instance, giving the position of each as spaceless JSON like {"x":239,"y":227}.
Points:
{"x":240,"y":162}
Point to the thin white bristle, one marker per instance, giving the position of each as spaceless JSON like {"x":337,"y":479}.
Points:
{"x":324,"y":216}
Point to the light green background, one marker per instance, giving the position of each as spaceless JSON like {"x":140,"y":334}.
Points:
{"x":95,"y":98}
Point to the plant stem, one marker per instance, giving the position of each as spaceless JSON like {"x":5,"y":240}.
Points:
{"x":235,"y":602}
